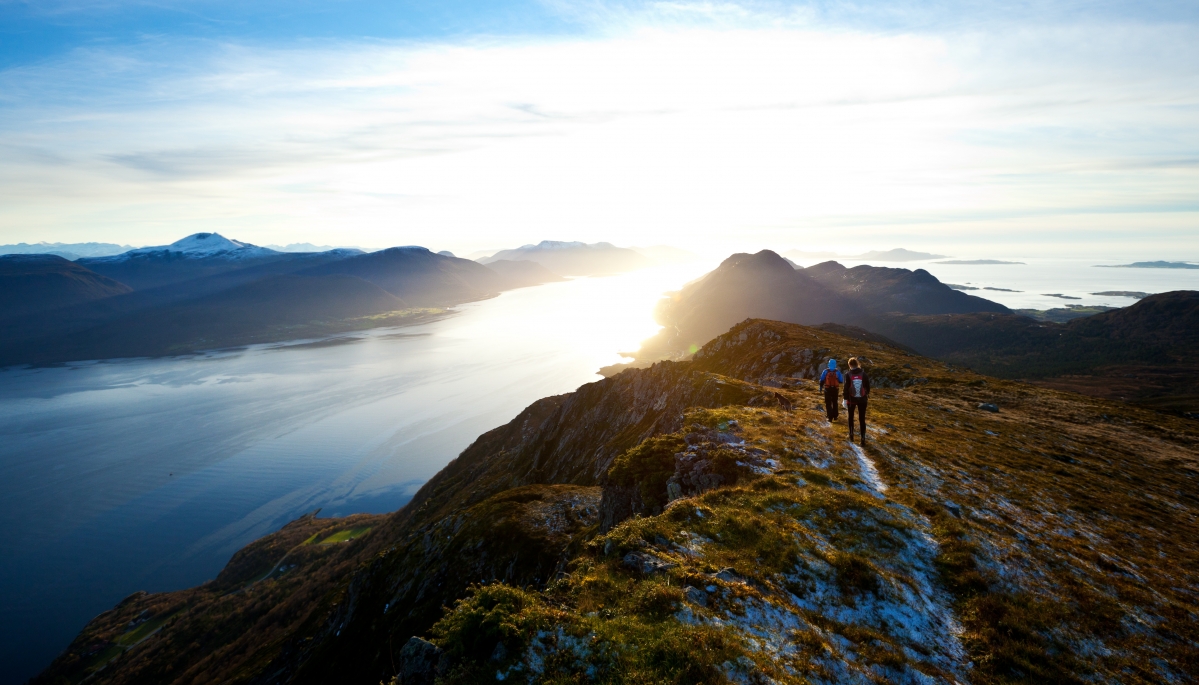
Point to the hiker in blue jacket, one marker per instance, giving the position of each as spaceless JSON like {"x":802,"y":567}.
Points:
{"x":830,"y":380}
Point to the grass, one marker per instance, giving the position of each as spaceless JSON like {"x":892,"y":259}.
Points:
{"x":140,"y":632}
{"x":346,"y":535}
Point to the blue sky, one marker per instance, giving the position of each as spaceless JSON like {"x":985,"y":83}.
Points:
{"x":1038,"y":127}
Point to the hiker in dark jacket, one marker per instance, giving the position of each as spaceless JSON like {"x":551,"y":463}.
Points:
{"x":857,"y":389}
{"x":830,"y":380}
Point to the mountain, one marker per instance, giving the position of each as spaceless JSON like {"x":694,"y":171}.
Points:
{"x":70,"y":251}
{"x":419,"y":276}
{"x":883,"y":289}
{"x":676,"y":524}
{"x":1149,"y":342}
{"x":522,"y":273}
{"x":196,"y":256}
{"x":277,"y":307}
{"x":575,"y":258}
{"x":206,"y":292}
{"x":40,"y":283}
{"x":765,"y":285}
{"x":1159,"y":329}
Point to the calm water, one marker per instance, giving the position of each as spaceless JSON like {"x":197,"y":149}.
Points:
{"x":148,"y":474}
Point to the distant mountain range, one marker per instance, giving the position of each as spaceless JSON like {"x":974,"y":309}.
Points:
{"x":70,"y":251}
{"x":208,"y":291}
{"x":575,"y":258}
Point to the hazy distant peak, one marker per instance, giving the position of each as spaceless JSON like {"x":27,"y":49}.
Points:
{"x":70,"y":251}
{"x":408,"y":248}
{"x":574,"y":258}
{"x":555,"y":245}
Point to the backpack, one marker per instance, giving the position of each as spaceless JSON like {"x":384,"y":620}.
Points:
{"x":830,"y":378}
{"x":855,"y":384}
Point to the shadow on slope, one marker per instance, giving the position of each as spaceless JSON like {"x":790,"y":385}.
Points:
{"x":38,"y":284}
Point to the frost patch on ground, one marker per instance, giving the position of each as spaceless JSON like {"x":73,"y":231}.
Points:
{"x":869,"y":471}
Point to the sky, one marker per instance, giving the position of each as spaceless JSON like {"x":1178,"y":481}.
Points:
{"x":968,"y":128}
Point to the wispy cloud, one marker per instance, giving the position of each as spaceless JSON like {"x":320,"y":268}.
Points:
{"x":729,"y":123}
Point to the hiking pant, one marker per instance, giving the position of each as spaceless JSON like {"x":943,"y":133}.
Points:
{"x":830,"y":403}
{"x":860,"y":406}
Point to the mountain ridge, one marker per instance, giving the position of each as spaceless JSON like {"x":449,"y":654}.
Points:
{"x":960,"y":545}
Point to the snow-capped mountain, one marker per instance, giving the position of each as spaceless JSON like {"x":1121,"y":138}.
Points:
{"x":199,"y":246}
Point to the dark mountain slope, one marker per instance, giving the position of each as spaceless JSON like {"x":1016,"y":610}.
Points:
{"x":307,"y":306}
{"x":1053,"y":541}
{"x":1143,"y":353}
{"x":764,"y":285}
{"x":759,"y":285}
{"x":422,"y":278}
{"x":32,"y":284}
{"x":280,"y":307}
{"x":882,"y":289}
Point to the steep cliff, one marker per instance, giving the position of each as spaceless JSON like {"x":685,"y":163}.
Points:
{"x":681,"y":524}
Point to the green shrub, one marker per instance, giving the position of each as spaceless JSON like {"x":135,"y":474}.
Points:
{"x":648,"y":466}
{"x":489,"y":615}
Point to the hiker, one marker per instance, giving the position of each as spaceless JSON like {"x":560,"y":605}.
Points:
{"x":857,"y":389}
{"x":830,"y":379}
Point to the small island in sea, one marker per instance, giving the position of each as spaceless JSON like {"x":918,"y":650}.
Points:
{"x":1123,"y":293}
{"x":1151,"y":265}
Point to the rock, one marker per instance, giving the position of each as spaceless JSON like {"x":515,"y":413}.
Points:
{"x":987,"y":406}
{"x":728,"y":575}
{"x":673,"y":491}
{"x":695,"y":596}
{"x":618,"y":503}
{"x":418,"y":662}
{"x":646,"y":563}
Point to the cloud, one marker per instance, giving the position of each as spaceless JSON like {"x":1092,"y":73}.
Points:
{"x":749,"y":126}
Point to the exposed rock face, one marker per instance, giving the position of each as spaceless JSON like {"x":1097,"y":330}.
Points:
{"x":675,"y":523}
{"x":418,"y":662}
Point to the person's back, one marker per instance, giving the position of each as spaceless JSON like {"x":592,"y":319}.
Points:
{"x":830,"y":381}
{"x":857,"y":389}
